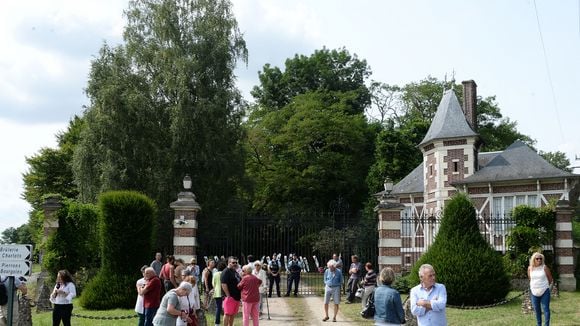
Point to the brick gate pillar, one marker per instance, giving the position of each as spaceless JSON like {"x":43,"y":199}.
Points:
{"x":389,"y":226}
{"x":564,"y":247}
{"x":185,"y":223}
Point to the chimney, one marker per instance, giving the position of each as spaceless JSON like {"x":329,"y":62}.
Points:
{"x":470,"y":103}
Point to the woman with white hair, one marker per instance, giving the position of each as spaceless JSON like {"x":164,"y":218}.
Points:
{"x":332,"y":284}
{"x":170,"y":308}
{"x":540,"y":281}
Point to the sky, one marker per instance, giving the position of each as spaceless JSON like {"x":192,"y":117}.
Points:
{"x":526,"y":53}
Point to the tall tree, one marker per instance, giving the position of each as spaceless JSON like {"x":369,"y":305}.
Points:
{"x":325,"y":71}
{"x":309,"y":153}
{"x":164,"y":104}
{"x":50,"y":172}
{"x":308,"y":139}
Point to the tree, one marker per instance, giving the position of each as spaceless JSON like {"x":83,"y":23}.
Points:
{"x":308,"y":139}
{"x":557,"y":159}
{"x":19,"y":235}
{"x":324,"y":71}
{"x":463,"y":260}
{"x":309,"y":152}
{"x":50,"y":172}
{"x":163,"y":105}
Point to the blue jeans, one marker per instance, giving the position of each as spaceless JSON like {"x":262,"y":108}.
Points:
{"x":149,"y":314}
{"x":218,"y":310}
{"x":544,"y":301}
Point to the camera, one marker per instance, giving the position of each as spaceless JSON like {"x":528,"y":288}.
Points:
{"x":58,"y":285}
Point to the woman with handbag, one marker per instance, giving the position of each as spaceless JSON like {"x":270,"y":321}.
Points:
{"x":190,"y":303}
{"x":369,"y":283}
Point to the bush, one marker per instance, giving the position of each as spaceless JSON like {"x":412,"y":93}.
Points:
{"x":126,"y":232}
{"x":75,"y":243}
{"x":471,"y":270}
{"x":108,"y":291}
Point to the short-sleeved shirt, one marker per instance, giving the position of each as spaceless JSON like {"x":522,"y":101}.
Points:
{"x":231,"y":278}
{"x":162,"y":317}
{"x":156,"y":265}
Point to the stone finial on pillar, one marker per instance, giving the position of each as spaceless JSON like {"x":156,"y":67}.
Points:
{"x":564,"y":247}
{"x":185,"y":222}
{"x":389,"y":226}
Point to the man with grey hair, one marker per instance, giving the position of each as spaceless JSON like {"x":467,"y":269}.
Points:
{"x":428,"y":299}
{"x":332,"y":284}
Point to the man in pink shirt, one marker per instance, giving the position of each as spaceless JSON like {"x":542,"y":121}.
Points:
{"x":250,"y":287}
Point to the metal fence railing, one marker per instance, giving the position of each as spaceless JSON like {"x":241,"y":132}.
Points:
{"x":418,"y":234}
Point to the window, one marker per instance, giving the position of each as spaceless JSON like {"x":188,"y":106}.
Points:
{"x":430,"y":170}
{"x":455,"y":166}
{"x":407,"y":224}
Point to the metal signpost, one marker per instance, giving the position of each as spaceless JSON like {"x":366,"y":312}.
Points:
{"x":15,"y":261}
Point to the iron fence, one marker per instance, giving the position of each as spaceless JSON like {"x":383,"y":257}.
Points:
{"x":418,"y":234}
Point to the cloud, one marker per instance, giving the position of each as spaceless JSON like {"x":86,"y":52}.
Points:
{"x":20,"y":141}
{"x":50,"y":44}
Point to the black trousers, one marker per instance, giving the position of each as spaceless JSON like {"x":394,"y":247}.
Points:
{"x":274,"y":279}
{"x":62,"y":312}
{"x":293,"y":277}
{"x":351,"y":288}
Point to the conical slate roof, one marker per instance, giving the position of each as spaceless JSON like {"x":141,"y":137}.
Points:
{"x":449,"y":120}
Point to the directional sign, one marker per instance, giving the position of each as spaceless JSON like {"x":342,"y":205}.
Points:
{"x":15,"y":260}
{"x":15,"y":268}
{"x":15,"y":252}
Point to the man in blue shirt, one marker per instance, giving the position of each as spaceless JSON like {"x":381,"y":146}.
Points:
{"x":332,"y":283}
{"x":428,"y":299}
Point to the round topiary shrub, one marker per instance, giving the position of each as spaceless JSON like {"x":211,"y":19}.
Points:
{"x":471,"y":270}
{"x":126,"y":232}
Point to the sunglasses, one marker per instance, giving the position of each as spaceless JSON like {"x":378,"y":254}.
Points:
{"x":538,"y":258}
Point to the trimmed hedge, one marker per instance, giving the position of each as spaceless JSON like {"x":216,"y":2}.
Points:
{"x":471,"y":270}
{"x":127,"y":235}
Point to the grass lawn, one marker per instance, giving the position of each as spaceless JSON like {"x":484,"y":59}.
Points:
{"x":565,"y":311}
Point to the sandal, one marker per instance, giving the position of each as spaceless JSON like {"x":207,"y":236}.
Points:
{"x":334,"y":320}
{"x":325,"y":319}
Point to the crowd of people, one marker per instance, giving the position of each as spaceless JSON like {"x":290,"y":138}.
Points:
{"x":168,"y":294}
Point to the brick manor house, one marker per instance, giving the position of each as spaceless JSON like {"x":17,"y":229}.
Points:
{"x":495,"y":181}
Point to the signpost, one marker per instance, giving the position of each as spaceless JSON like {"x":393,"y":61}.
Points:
{"x":15,"y":261}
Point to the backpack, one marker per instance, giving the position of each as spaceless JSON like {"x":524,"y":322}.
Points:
{"x":3,"y":294}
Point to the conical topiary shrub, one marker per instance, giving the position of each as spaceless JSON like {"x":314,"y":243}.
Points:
{"x":471,"y":270}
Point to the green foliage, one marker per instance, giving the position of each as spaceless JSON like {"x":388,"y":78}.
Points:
{"x":75,"y":243}
{"x":332,"y":71}
{"x":164,"y":104}
{"x":126,"y":233}
{"x":126,"y":230}
{"x":471,"y":270}
{"x":557,"y":159}
{"x":308,"y":153}
{"x":534,"y":228}
{"x":110,"y":291}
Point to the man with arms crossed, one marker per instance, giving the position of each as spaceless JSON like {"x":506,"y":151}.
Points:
{"x":428,"y":299}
